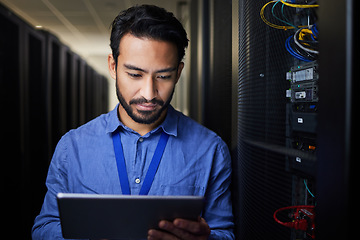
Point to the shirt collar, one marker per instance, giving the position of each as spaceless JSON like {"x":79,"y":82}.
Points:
{"x":113,"y":121}
{"x":169,"y":125}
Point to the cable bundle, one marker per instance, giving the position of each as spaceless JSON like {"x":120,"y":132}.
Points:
{"x":284,"y":20}
{"x":303,"y":45}
{"x":301,"y":217}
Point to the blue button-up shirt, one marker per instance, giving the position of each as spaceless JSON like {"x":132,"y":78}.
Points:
{"x":195,"y":162}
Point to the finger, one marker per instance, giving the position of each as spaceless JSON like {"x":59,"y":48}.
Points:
{"x":196,"y":227}
{"x":156,"y":234}
{"x":177,"y":232}
{"x":182,"y":233}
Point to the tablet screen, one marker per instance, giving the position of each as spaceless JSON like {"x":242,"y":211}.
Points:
{"x":121,"y":216}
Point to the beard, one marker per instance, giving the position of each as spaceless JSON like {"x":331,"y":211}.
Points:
{"x":143,"y":117}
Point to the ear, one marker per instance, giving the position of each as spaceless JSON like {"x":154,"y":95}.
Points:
{"x":112,"y":66}
{"x":179,"y":70}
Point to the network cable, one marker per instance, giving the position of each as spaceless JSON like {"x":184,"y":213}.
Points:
{"x":286,"y":21}
{"x":299,"y":5}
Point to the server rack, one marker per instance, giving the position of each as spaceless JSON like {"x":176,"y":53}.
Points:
{"x":36,"y":151}
{"x":296,"y":120}
{"x":72,"y":118}
{"x":56,"y":85}
{"x":11,"y":87}
{"x":274,"y":168}
{"x":210,"y":85}
{"x":43,"y":95}
{"x":81,"y":66}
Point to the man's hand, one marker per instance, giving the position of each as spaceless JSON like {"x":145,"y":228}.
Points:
{"x":181,"y":229}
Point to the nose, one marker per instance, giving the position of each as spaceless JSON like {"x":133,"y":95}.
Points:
{"x":149,"y":89}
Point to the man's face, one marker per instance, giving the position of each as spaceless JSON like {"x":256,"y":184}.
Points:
{"x":146,"y":74}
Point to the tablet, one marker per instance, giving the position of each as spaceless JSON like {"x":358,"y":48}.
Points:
{"x":93,"y":216}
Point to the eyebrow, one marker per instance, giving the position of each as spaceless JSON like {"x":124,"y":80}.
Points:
{"x":132,"y":67}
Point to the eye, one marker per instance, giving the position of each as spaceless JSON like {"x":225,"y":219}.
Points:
{"x":164,"y":77}
{"x":134,"y":75}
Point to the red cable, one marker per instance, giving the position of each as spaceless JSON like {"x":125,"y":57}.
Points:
{"x":299,"y":222}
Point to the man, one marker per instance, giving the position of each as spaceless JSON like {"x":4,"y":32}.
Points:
{"x":148,"y":45}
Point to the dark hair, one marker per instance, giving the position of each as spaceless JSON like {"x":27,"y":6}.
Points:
{"x":148,"y":21}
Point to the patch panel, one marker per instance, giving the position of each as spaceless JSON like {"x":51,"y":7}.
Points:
{"x":304,"y":72}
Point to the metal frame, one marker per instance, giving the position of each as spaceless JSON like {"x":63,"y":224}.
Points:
{"x":337,"y":118}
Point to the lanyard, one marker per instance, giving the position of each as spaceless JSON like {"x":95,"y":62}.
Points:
{"x":120,"y":162}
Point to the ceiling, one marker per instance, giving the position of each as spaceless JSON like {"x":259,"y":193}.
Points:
{"x":83,"y":25}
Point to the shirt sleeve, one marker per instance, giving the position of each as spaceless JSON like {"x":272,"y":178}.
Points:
{"x":218,"y":206}
{"x":47,"y":223}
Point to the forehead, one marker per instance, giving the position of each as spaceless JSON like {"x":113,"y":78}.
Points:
{"x":147,"y":52}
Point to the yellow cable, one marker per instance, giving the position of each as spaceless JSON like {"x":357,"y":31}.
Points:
{"x":304,"y":32}
{"x":299,"y":5}
{"x":279,"y":26}
{"x":269,"y":23}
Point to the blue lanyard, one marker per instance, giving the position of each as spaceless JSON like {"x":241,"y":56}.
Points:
{"x":120,"y":161}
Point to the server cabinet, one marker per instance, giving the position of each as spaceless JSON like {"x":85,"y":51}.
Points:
{"x":56,"y":88}
{"x":35,"y":122}
{"x":89,"y":92}
{"x":217,"y":100}
{"x":11,"y":86}
{"x":297,"y":119}
{"x":97,"y":94}
{"x":210,"y":85}
{"x":95,"y":89}
{"x":104,"y":95}
{"x":101,"y":94}
{"x":274,"y":154}
{"x":71,"y":90}
{"x":42,"y":95}
{"x":11,"y":97}
{"x":80,"y":76}
{"x":24,"y":112}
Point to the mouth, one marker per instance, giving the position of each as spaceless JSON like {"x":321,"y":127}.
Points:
{"x":142,"y":105}
{"x":146,"y":106}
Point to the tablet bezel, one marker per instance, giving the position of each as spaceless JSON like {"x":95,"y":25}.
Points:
{"x":121,"y":216}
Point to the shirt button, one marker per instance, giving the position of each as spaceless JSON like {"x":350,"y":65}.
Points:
{"x":141,"y":139}
{"x":137,"y":180}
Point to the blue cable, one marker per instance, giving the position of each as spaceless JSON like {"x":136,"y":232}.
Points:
{"x":282,"y":13}
{"x":313,"y":37}
{"x":292,"y":52}
{"x":315,"y":30}
{"x":308,"y":189}
{"x":272,"y":12}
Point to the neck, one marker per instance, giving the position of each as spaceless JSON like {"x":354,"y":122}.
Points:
{"x":140,"y":128}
